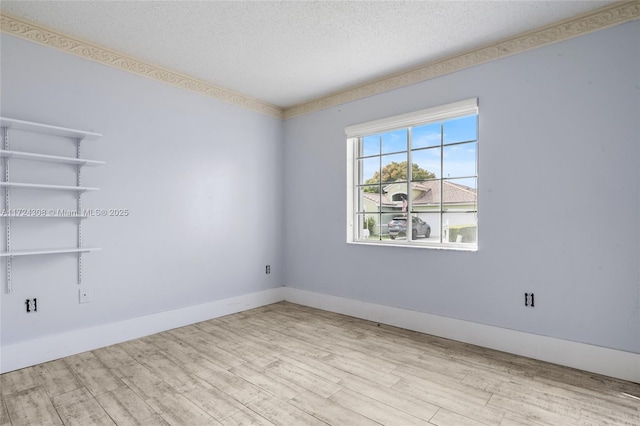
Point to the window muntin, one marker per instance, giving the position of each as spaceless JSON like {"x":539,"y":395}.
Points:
{"x":439,"y":188}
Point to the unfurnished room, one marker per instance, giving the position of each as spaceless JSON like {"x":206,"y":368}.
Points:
{"x":320,"y":213}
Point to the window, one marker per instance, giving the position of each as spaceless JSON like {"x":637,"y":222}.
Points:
{"x":421,"y":165}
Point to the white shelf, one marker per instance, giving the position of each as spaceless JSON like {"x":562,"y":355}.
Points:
{"x":42,"y":186}
{"x":50,"y":158}
{"x":47,"y":129}
{"x":47,"y":251}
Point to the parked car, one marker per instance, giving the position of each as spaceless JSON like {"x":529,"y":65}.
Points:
{"x":398,"y":225}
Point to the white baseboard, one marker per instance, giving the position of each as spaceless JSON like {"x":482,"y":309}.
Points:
{"x":596,"y":359}
{"x":48,"y":348}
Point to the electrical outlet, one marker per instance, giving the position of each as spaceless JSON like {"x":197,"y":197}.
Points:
{"x":268,"y":269}
{"x":31,"y":305}
{"x":529,"y":300}
{"x":84,"y":295}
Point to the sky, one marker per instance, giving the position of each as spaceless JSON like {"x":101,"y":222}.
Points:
{"x":458,"y":160}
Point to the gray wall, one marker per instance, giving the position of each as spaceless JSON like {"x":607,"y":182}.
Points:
{"x":559,"y":197}
{"x":201,"y":178}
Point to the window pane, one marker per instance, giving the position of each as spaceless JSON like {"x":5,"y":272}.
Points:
{"x":386,"y":217}
{"x":368,"y":199}
{"x":426,"y":163}
{"x":394,"y":167}
{"x":426,"y":195}
{"x":369,"y":170}
{"x":459,"y":160}
{"x":460,"y":195}
{"x":460,"y":227}
{"x":425,"y":136}
{"x":394,"y":141}
{"x":370,"y":145}
{"x":368,"y":227}
{"x":395,"y":198}
{"x":358,"y":226}
{"x":397,"y":227}
{"x":461,"y":130}
{"x":433,"y":220}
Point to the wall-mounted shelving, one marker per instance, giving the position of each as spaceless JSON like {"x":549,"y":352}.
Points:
{"x":78,"y":136}
{"x":34,"y":252}
{"x":43,"y":186}
{"x":21,"y":155}
{"x":12,"y":123}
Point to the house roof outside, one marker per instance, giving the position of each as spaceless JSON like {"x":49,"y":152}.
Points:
{"x":452,"y":193}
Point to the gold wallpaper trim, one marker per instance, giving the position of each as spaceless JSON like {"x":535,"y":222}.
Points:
{"x":604,"y":17}
{"x":607,"y":16}
{"x":36,"y":33}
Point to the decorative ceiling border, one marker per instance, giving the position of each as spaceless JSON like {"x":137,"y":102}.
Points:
{"x":614,"y":14}
{"x":39,"y":34}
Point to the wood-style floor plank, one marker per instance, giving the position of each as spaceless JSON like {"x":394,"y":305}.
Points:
{"x":473,"y":407}
{"x":329,"y":411}
{"x":56,"y":378}
{"x":529,"y":395}
{"x":246,"y":418}
{"x":177,"y":409}
{"x":125,"y":407}
{"x":4,"y":415}
{"x":531,"y":412}
{"x":281,"y":413}
{"x":212,"y":400}
{"x":391,"y":397}
{"x":287,"y":364}
{"x":142,"y":381}
{"x":373,"y":409}
{"x":31,"y":407}
{"x":203,"y":344}
{"x":317,"y":366}
{"x":80,"y":408}
{"x":608,"y":417}
{"x":20,"y":380}
{"x":95,"y":376}
{"x":364,"y":368}
{"x":268,"y":381}
{"x":234,"y":385}
{"x":447,"y":418}
{"x":255,"y":351}
{"x":514,"y":420}
{"x":304,"y":378}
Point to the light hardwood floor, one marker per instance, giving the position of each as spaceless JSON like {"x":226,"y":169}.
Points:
{"x":286,"y":364}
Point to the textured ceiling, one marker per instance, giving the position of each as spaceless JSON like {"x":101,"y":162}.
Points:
{"x":291,"y":52}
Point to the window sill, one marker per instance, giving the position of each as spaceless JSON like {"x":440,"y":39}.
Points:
{"x":419,"y":245}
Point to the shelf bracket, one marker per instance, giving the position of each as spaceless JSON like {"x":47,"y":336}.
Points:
{"x":7,"y":207}
{"x":79,"y":208}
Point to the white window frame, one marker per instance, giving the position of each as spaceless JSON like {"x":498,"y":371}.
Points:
{"x":418,"y":118}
